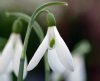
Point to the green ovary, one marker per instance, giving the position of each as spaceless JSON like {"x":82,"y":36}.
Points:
{"x":52,"y":43}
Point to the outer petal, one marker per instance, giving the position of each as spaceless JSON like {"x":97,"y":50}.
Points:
{"x":7,"y":54}
{"x":63,"y":52}
{"x":17,"y":56}
{"x":38,"y":54}
{"x":54,"y":62}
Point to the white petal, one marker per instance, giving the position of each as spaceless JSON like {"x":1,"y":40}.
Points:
{"x":54,"y":62}
{"x":63,"y":51}
{"x":17,"y":56}
{"x":38,"y":54}
{"x":7,"y":54}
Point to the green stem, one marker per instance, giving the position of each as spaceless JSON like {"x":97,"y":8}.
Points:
{"x":18,"y":14}
{"x":47,"y":69}
{"x":35,"y":14}
{"x":20,"y":75}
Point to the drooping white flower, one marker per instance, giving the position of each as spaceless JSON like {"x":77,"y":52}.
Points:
{"x":11,"y":55}
{"x":59,"y":56}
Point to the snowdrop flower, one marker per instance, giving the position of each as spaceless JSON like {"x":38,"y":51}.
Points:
{"x":11,"y":53}
{"x":59,"y":56}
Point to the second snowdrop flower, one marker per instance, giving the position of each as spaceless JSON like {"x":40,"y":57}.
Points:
{"x":11,"y":53}
{"x":59,"y":56}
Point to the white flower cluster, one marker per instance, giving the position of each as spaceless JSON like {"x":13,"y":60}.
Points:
{"x":59,"y":56}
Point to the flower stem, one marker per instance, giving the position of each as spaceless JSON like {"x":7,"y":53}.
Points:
{"x":47,"y":69}
{"x":20,"y":75}
{"x":33,"y":17}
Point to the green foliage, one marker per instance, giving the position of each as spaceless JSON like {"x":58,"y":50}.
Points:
{"x":2,"y":43}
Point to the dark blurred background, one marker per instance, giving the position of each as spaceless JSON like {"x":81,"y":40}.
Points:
{"x":80,"y":20}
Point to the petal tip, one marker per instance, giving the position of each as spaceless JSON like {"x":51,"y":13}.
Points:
{"x":29,"y":68}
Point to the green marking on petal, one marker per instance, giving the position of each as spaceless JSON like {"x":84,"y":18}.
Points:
{"x":52,"y":43}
